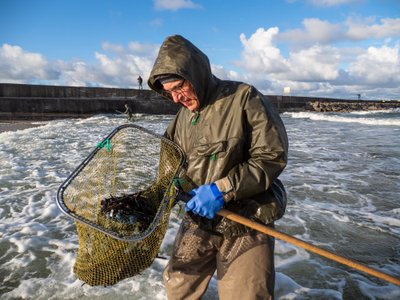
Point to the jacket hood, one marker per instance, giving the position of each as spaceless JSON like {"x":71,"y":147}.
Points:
{"x":179,"y":56}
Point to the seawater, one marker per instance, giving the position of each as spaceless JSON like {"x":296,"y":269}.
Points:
{"x":342,"y":181}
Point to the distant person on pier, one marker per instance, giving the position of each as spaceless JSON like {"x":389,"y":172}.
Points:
{"x":140,"y":81}
{"x":236,"y":147}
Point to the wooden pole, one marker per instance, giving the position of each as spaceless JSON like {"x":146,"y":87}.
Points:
{"x":287,"y":238}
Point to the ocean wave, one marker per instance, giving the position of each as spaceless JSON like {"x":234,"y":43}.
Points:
{"x":374,"y":112}
{"x":370,"y":119}
{"x":335,"y":202}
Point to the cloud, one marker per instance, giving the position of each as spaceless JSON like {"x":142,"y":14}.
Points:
{"x":260,"y":54}
{"x":76,"y":73}
{"x":317,"y":63}
{"x":319,"y":59}
{"x":123,"y":70}
{"x":221,"y":72}
{"x":319,"y":31}
{"x":363,"y":29}
{"x":175,"y":5}
{"x":143,"y":50}
{"x":314,"y":31}
{"x":115,"y":66}
{"x":19,"y":65}
{"x":112,"y":47}
{"x":120,"y":66}
{"x":378,"y":66}
{"x":320,"y":69}
{"x":330,"y":3}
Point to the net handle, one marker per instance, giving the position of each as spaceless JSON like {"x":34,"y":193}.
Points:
{"x":300,"y":243}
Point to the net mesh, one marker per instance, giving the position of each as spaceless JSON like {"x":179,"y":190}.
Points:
{"x":130,"y":160}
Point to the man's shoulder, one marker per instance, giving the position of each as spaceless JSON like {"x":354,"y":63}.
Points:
{"x":238,"y":88}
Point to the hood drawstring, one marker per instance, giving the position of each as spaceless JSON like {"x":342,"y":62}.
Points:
{"x":194,"y":121}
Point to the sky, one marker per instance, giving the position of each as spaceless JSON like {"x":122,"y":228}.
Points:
{"x":315,"y":48}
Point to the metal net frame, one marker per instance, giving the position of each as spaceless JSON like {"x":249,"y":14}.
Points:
{"x":129,"y":160}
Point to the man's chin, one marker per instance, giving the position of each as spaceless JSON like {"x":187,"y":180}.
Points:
{"x":190,"y":106}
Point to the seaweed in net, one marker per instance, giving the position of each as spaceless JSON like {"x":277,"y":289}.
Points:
{"x":133,"y":209}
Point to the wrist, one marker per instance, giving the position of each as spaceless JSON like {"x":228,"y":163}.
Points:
{"x":226,"y":189}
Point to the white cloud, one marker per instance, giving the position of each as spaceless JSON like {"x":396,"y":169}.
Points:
{"x":378,"y":66}
{"x":18,"y":65}
{"x":146,"y":50}
{"x":260,"y":54}
{"x":314,"y":31}
{"x":112,"y":47}
{"x":331,"y":2}
{"x":318,"y":63}
{"x":117,"y":66}
{"x":220,"y":72}
{"x":365,"y":29}
{"x":76,"y":73}
{"x":319,"y":69}
{"x":174,"y":5}
{"x":108,"y":66}
{"x":122,"y":66}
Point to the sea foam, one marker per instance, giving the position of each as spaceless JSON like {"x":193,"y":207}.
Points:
{"x":342,"y":188}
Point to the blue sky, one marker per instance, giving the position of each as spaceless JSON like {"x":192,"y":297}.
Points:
{"x":323,"y":48}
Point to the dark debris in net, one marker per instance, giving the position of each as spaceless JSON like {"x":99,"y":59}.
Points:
{"x":133,"y":209}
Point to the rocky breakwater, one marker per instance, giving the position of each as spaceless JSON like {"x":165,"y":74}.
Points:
{"x":351,"y":105}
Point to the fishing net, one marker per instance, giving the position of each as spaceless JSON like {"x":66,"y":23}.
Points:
{"x":121,"y":197}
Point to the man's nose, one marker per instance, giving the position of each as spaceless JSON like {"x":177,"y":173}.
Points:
{"x":176,"y":97}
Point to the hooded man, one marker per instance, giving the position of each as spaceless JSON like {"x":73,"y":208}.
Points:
{"x":236,"y":147}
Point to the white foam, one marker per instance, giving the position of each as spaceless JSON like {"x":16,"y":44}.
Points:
{"x":378,"y":111}
{"x":344,"y":118}
{"x":40,"y":243}
{"x":287,"y":288}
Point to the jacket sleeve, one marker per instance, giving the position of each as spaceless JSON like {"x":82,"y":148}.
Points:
{"x":171,"y":128}
{"x":267,"y":149}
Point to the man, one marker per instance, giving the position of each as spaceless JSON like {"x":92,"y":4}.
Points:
{"x":128,"y":112}
{"x":236,"y":146}
{"x":140,"y":81}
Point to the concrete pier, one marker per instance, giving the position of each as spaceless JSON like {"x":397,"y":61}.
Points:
{"x":41,"y":102}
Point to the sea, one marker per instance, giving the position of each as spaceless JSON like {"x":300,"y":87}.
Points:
{"x":343,"y":184}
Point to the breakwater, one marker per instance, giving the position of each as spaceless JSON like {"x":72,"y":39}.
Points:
{"x":30,"y":102}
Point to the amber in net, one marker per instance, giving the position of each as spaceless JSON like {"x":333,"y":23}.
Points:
{"x":130,"y":160}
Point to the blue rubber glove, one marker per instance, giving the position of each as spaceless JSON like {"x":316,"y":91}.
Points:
{"x":207,"y":201}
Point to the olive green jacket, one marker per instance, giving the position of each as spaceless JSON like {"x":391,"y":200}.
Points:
{"x":236,"y":138}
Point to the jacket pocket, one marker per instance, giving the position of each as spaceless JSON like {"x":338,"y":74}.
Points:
{"x":204,"y":162}
{"x":211,"y":148}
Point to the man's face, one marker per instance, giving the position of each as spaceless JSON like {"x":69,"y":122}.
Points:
{"x":182,"y":92}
